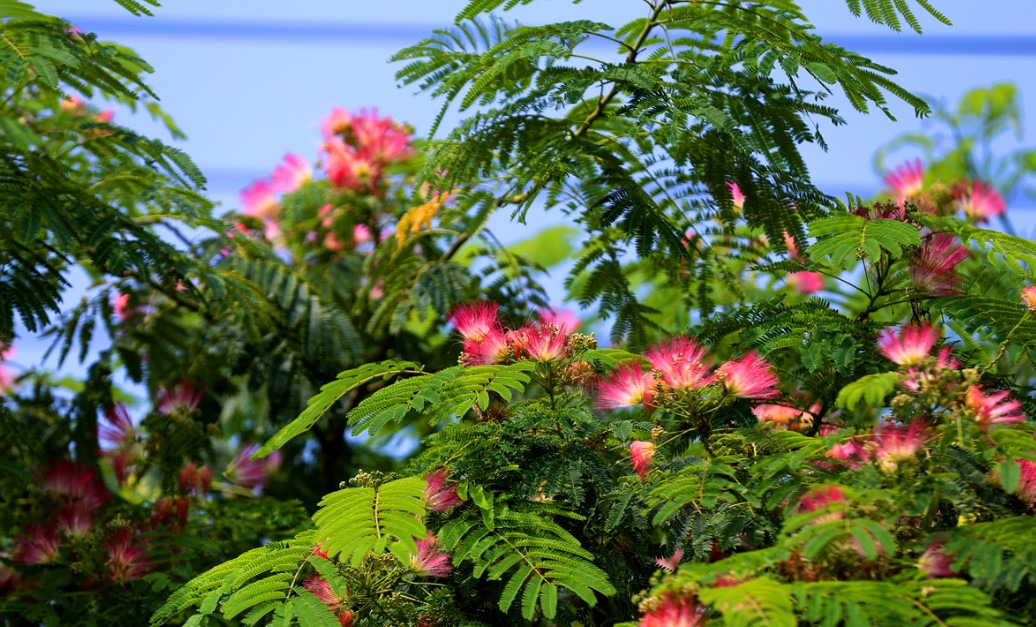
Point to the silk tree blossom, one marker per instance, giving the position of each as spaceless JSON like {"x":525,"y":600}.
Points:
{"x":1027,"y":481}
{"x":978,"y":200}
{"x":992,"y":409}
{"x":474,"y":321}
{"x":184,"y":396}
{"x":6,"y":378}
{"x":439,"y":494}
{"x":121,"y":437}
{"x":627,"y":386}
{"x":906,"y":180}
{"x":338,"y":122}
{"x":564,"y":320}
{"x":936,"y":562}
{"x":749,"y":377}
{"x":791,"y":418}
{"x":260,"y":202}
{"x":933,"y":268}
{"x":381,"y":139}
{"x":899,"y":444}
{"x":542,"y":343}
{"x":73,"y":484}
{"x":430,"y":560}
{"x":736,"y":196}
{"x":916,"y":376}
{"x":912,"y":345}
{"x":672,"y":611}
{"x":251,"y":473}
{"x":195,"y":480}
{"x":670,"y":563}
{"x":39,"y":545}
{"x":1029,"y":297}
{"x":347,"y":169}
{"x":75,"y":521}
{"x":291,"y":175}
{"x":642,"y":454}
{"x":322,"y":590}
{"x":805,"y":281}
{"x":127,"y":560}
{"x":823,"y":498}
{"x":793,"y":249}
{"x":491,"y":349}
{"x":681,"y":362}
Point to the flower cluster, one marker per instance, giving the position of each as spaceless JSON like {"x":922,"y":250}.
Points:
{"x":488,"y":341}
{"x":252,"y":473}
{"x":977,"y":200}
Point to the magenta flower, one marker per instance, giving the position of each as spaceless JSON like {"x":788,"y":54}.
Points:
{"x":642,"y":453}
{"x":670,"y":611}
{"x":943,"y":359}
{"x":121,"y":306}
{"x":749,"y":377}
{"x":338,"y":122}
{"x":38,"y":546}
{"x":1027,"y":481}
{"x":260,"y":202}
{"x":913,"y":344}
{"x":75,"y":521}
{"x":565,"y":321}
{"x":792,"y":418}
{"x":898,"y":444}
{"x":73,"y":484}
{"x":475,"y":321}
{"x":248,"y":472}
{"x":542,"y":343}
{"x":184,"y":396}
{"x":195,"y":480}
{"x":6,"y":378}
{"x":121,"y":437}
{"x":291,"y":175}
{"x":906,"y":180}
{"x":936,"y":562}
{"x":978,"y":200}
{"x":430,"y":561}
{"x":440,"y":496}
{"x":672,"y":561}
{"x":322,"y":590}
{"x":682,"y":363}
{"x":933,"y":269}
{"x":823,"y":498}
{"x":127,"y":560}
{"x":805,"y":282}
{"x":361,"y":234}
{"x":491,"y":349}
{"x":627,"y":386}
{"x":736,"y":195}
{"x":382,"y":139}
{"x":991,"y":410}
{"x":348,"y":170}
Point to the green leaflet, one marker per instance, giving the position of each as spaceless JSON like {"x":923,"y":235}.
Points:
{"x":847,"y":238}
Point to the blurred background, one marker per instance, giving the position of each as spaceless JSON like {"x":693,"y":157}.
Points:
{"x":249,"y":80}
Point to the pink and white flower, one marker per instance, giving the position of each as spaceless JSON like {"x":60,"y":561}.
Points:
{"x":978,"y":200}
{"x":672,"y":611}
{"x":542,"y":343}
{"x":184,"y":396}
{"x":805,"y":281}
{"x":251,"y":473}
{"x":991,"y":410}
{"x":475,"y":321}
{"x":430,"y":560}
{"x":439,"y":494}
{"x":791,"y":418}
{"x":322,"y":590}
{"x":642,"y":454}
{"x":681,"y":362}
{"x":749,"y":377}
{"x":823,"y":498}
{"x":291,"y":175}
{"x":39,"y":545}
{"x":913,"y":344}
{"x":627,"y":386}
{"x":936,"y":562}
{"x":260,"y":202}
{"x":565,"y":321}
{"x":933,"y":268}
{"x":73,"y":484}
{"x":898,"y":444}
{"x":670,"y":563}
{"x":1027,"y":481}
{"x":906,"y":180}
{"x":127,"y":560}
{"x":75,"y":521}
{"x":736,"y":196}
{"x":1029,"y":297}
{"x":338,"y":122}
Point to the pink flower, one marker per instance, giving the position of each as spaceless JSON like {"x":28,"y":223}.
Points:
{"x":331,"y":243}
{"x":565,"y":321}
{"x":184,"y":396}
{"x":195,"y":480}
{"x":822,"y":499}
{"x":805,"y":281}
{"x":381,"y":138}
{"x":121,"y":436}
{"x":38,"y":546}
{"x":682,"y":363}
{"x":491,"y":349}
{"x":74,"y":105}
{"x":251,"y":473}
{"x":790,"y":417}
{"x":851,"y":452}
{"x":260,"y":202}
{"x":126,"y":560}
{"x":793,"y":249}
{"x":73,"y":484}
{"x":1029,"y":297}
{"x":361,"y":234}
{"x":347,"y":169}
{"x":475,"y":321}
{"x":75,"y":521}
{"x":915,"y":377}
{"x":121,"y":306}
{"x":898,"y":444}
{"x":627,"y":386}
{"x":936,"y":562}
{"x":674,"y":612}
{"x":293,"y":174}
{"x":6,"y":378}
{"x":542,"y":343}
{"x":642,"y":453}
{"x":430,"y":561}
{"x":736,"y":196}
{"x":978,"y":200}
{"x":338,"y":122}
{"x":105,"y":117}
{"x":932,"y":270}
{"x":1027,"y":481}
{"x":749,"y":377}
{"x":913,"y":344}
{"x":440,"y":496}
{"x":907,"y":180}
{"x":322,"y":590}
{"x":990,"y":410}
{"x":671,"y":562}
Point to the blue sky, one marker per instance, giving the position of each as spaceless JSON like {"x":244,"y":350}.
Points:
{"x":245,"y":90}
